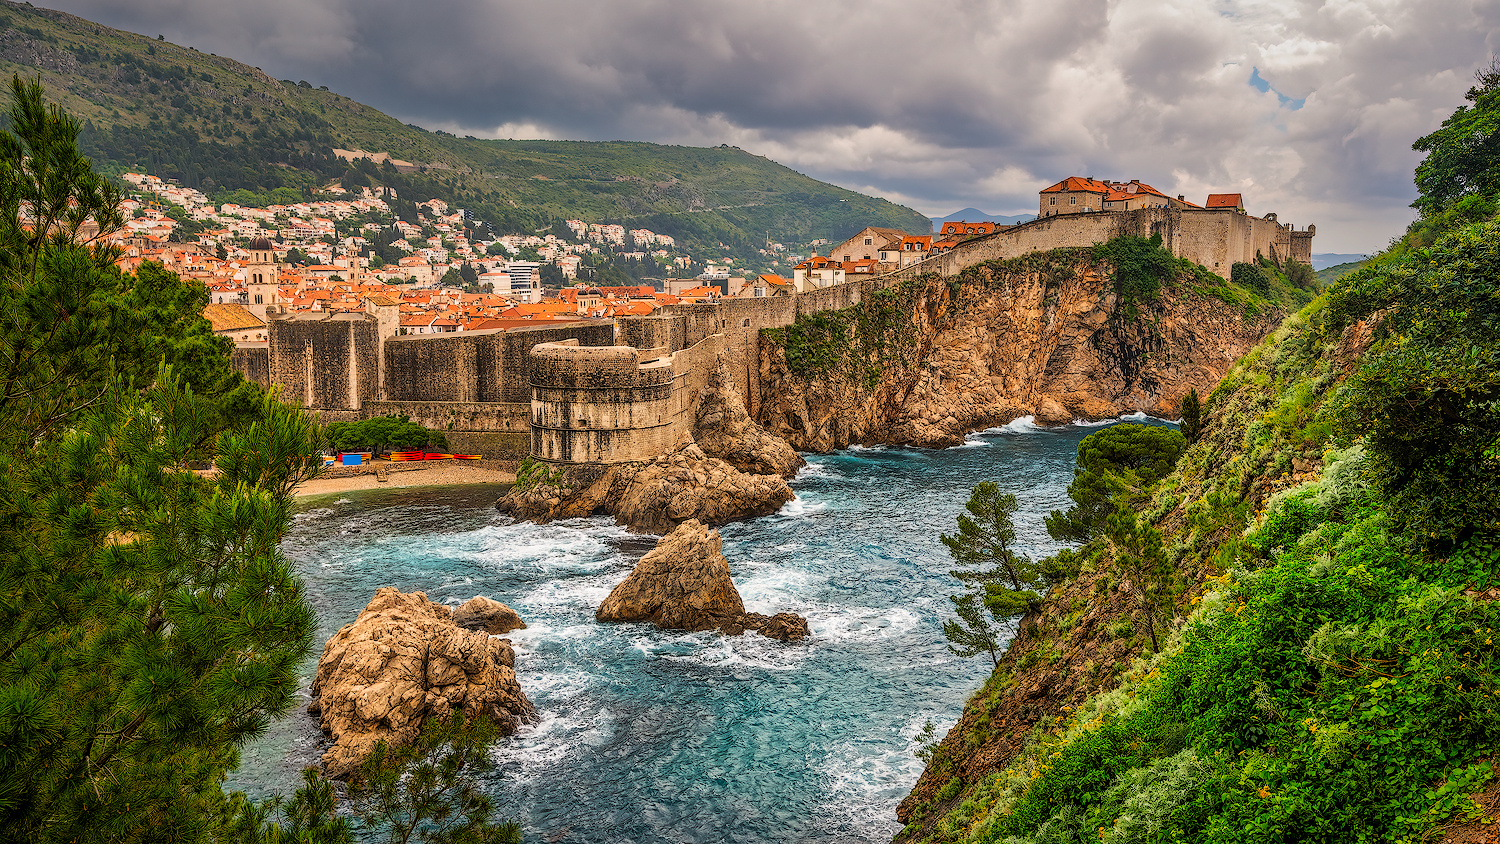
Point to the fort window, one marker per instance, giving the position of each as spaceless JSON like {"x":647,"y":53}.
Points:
{"x":745,"y":324}
{"x":868,"y":241}
{"x":1051,"y":200}
{"x":257,"y":299}
{"x":1072,"y":200}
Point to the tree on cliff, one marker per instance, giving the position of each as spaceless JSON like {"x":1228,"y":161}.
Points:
{"x":1191,"y":411}
{"x":148,"y":625}
{"x":1002,"y":584}
{"x":1121,"y":460}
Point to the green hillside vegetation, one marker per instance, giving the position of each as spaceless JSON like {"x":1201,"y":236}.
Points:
{"x":1333,"y":541}
{"x":149,"y":626}
{"x":1329,"y":275}
{"x":219,"y":126}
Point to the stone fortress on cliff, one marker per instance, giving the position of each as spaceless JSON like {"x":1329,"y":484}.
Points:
{"x":627,"y":389}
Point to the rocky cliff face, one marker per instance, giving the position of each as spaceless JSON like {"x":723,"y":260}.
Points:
{"x":927,"y":361}
{"x":404,"y":660}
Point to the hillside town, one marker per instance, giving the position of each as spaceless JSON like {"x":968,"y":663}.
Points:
{"x":322,"y":256}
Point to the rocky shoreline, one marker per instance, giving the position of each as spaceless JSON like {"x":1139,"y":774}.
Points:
{"x":733,"y":470}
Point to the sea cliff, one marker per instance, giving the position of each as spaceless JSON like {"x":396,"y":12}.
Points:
{"x":1331,"y":543}
{"x":1054,"y":335}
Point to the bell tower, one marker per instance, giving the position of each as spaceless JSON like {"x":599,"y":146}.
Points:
{"x":261,"y":290}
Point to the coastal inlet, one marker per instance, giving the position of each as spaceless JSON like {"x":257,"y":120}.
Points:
{"x":656,"y":735}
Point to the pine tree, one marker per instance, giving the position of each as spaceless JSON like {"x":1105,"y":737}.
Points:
{"x":976,"y":634}
{"x":983,"y":543}
{"x":1191,"y":412}
{"x":148,"y":624}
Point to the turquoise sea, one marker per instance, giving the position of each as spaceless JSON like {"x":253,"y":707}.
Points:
{"x":653,"y":735}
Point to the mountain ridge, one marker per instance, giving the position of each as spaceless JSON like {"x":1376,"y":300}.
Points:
{"x":216,"y":124}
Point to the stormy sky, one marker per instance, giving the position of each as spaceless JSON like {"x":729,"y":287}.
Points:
{"x":1308,"y":108}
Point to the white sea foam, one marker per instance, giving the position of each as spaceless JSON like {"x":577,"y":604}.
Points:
{"x":860,"y":623}
{"x":801,"y":506}
{"x":1022,"y":425}
{"x":1138,"y":416}
{"x":312,"y":515}
{"x":974,"y":440}
{"x":863,"y":788}
{"x":816,"y":470}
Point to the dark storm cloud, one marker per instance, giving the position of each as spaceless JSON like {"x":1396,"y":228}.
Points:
{"x":936,"y":105}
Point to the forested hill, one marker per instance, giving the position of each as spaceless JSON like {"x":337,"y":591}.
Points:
{"x":218,"y":125}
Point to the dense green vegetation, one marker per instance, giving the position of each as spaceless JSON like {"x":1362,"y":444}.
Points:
{"x":382,"y":433}
{"x":220,"y":126}
{"x":149,"y":626}
{"x":1332,"y":550}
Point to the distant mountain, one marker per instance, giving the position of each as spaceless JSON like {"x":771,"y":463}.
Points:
{"x":1324,"y":260}
{"x":215,"y":124}
{"x":975,"y":215}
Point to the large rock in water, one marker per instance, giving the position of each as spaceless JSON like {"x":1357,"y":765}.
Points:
{"x":683,"y":584}
{"x":487,"y":615}
{"x":404,"y":661}
{"x":655,"y":496}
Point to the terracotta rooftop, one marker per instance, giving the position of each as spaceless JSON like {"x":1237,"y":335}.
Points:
{"x":226,"y":317}
{"x":1078,"y":183}
{"x":1225,"y":200}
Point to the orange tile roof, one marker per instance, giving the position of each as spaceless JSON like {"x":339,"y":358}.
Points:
{"x":1225,"y":200}
{"x":1078,"y":183}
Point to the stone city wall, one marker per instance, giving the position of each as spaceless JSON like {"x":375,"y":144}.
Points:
{"x":1216,"y":239}
{"x":326,"y":364}
{"x":253,"y":360}
{"x":609,"y":405}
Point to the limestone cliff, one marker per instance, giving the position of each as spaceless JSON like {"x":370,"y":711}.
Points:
{"x":930,"y":359}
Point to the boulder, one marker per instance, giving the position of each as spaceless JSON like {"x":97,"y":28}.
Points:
{"x":487,"y":615}
{"x":402,"y":661}
{"x":688,"y":484}
{"x":652,"y":497}
{"x":683,"y":584}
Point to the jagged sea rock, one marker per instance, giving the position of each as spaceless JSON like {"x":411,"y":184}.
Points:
{"x":724,"y":430}
{"x":402,"y":661}
{"x":683,"y":584}
{"x":487,"y":615}
{"x":655,"y":496}
{"x":687,"y":484}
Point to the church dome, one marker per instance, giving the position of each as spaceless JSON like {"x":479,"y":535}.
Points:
{"x":260,"y":244}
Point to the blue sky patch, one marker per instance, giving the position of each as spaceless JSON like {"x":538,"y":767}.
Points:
{"x":1263,"y":86}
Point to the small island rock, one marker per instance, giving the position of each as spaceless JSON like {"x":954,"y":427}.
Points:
{"x":402,"y":661}
{"x":683,"y":584}
{"x":487,"y":615}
